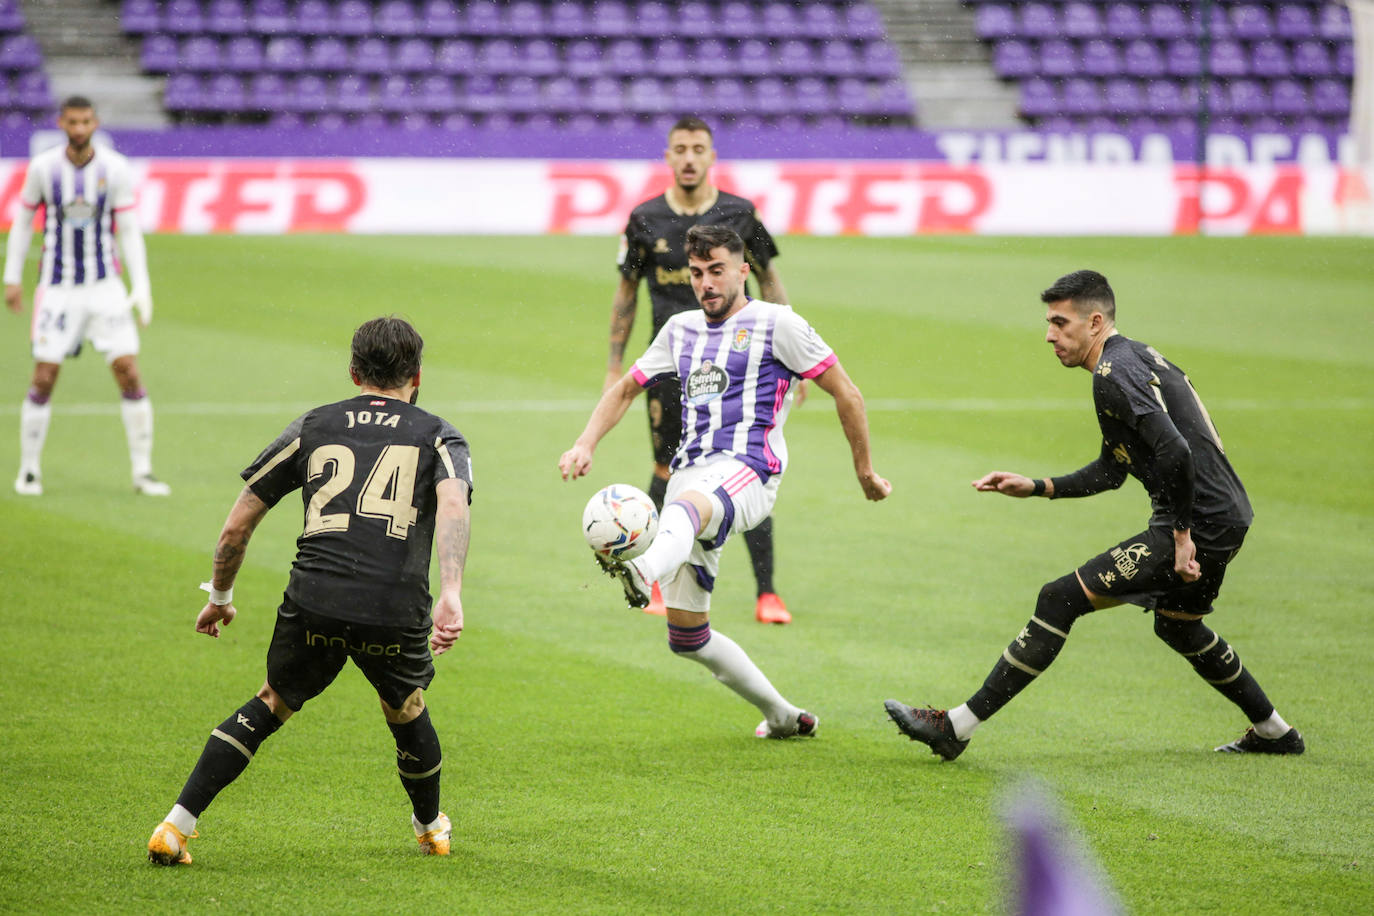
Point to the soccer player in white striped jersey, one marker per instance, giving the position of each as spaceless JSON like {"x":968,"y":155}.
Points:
{"x":88,"y":196}
{"x":738,"y":360}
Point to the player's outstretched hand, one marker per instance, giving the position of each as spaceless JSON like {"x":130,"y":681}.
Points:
{"x":211,"y":616}
{"x":1005,"y":482}
{"x":575,"y":463}
{"x":141,"y":301}
{"x":14,"y":297}
{"x":448,"y":622}
{"x":875,"y":487}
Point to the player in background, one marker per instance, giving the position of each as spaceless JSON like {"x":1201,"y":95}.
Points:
{"x":738,"y":360}
{"x":1155,"y":429}
{"x":653,"y":248}
{"x":88,"y":195}
{"x":381,"y":481}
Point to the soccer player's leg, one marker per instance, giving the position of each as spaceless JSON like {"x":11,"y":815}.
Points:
{"x":303,"y":659}
{"x":664,"y":405}
{"x":769,"y":606}
{"x":114,"y":333}
{"x":58,"y":326}
{"x":398,"y":664}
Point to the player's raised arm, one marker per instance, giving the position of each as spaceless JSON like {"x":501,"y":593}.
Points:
{"x":577,"y":461}
{"x":849,"y":404}
{"x":247,"y":512}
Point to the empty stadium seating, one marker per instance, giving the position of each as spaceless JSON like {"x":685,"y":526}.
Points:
{"x":1270,"y":65}
{"x":576,"y":62}
{"x":24,"y":93}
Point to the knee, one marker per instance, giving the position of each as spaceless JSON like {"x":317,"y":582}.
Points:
{"x":409,"y":711}
{"x":1061,"y":602}
{"x":1187,"y":637}
{"x":44,"y":378}
{"x":275,"y":703}
{"x":125,"y":371}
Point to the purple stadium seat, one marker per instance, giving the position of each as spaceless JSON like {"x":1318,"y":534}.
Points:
{"x":603,"y":95}
{"x":1294,"y":21}
{"x":696,"y":17}
{"x":1330,"y":97}
{"x":1101,"y":58}
{"x":880,"y":61}
{"x":183,"y":93}
{"x":820,"y":21}
{"x":853,"y":98}
{"x":440,"y":19}
{"x":1269,"y":58}
{"x":1081,"y":20}
{"x":1165,"y":20}
{"x":225,"y":93}
{"x":199,"y":54}
{"x":139,"y":17}
{"x":1345,"y":58}
{"x":1311,"y":58}
{"x":995,"y":20}
{"x":541,"y":57}
{"x":713,"y":56}
{"x":482,"y":18}
{"x":1039,"y":20}
{"x":583,"y":58}
{"x":1251,"y":21}
{"x":1142,"y":58}
{"x":1039,"y":98}
{"x":414,"y":55}
{"x":796,"y":58}
{"x":329,"y":55}
{"x":1220,"y":22}
{"x":1227,"y":58}
{"x":561,"y":95}
{"x":1167,"y":98}
{"x":782,"y":21}
{"x":739,"y":18}
{"x":1288,"y":98}
{"x":1121,"y":96}
{"x":226,"y":17}
{"x":625,"y":57}
{"x":813,"y":96}
{"x":160,"y":54}
{"x":455,"y":56}
{"x":727,"y":96}
{"x":1058,"y":57}
{"x":1082,"y":97}
{"x":308,"y":94}
{"x":270,"y":17}
{"x":372,"y":55}
{"x":267,"y":92}
{"x":183,"y":17}
{"x":526,"y":19}
{"x":1183,"y":58}
{"x":893,"y":101}
{"x":283,"y":54}
{"x":863,"y":21}
{"x":610,"y":19}
{"x":670,"y":57}
{"x":1247,"y":97}
{"x":481,"y":94}
{"x":771,"y":97}
{"x":243,"y":54}
{"x":1124,"y":21}
{"x":522,"y":95}
{"x":1013,"y":58}
{"x":838,"y":58}
{"x":354,"y":19}
{"x":646,"y":95}
{"x":652,"y":19}
{"x":753,"y":58}
{"x":313,"y":17}
{"x":396,"y":19}
{"x":353,"y":94}
{"x":20,"y":52}
{"x":498,"y":56}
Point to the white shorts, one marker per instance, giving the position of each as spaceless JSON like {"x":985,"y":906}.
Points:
{"x":739,"y":502}
{"x":64,"y":316}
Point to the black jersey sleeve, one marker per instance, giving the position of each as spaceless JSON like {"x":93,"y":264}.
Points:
{"x":634,"y":252}
{"x":1173,"y":462}
{"x":1102,"y":474}
{"x":455,"y":461}
{"x":759,"y":242}
{"x":274,"y":473}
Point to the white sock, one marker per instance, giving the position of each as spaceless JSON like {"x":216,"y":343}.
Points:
{"x":422,"y":829}
{"x":963,"y":721}
{"x":138,"y":428}
{"x":733,"y":668}
{"x":672,"y":545}
{"x":1272,"y":727}
{"x":33,"y":432}
{"x":182,"y":820}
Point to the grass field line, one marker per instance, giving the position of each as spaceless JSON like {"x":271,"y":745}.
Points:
{"x":583,"y":405}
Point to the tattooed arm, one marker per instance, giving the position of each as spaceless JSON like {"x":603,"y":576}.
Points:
{"x":238,"y":528}
{"x":451,"y":534}
{"x":622,"y":323}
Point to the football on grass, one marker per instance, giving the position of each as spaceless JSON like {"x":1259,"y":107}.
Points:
{"x":620,"y":521}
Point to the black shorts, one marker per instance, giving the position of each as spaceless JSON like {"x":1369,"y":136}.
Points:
{"x":308,"y":651}
{"x":664,"y":401}
{"x":1140,"y":570}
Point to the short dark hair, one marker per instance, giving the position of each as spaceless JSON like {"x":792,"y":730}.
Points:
{"x":75,"y":101}
{"x":691,"y":123}
{"x":702,"y":239}
{"x":1088,"y":290}
{"x":386,"y":352}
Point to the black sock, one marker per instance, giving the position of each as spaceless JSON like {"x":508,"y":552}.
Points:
{"x":1216,"y":663}
{"x":760,"y":541}
{"x":227,"y":754}
{"x":658,"y":491}
{"x":1033,"y":650}
{"x":418,"y":760}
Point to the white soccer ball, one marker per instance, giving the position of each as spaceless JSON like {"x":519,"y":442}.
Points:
{"x":620,"y":521}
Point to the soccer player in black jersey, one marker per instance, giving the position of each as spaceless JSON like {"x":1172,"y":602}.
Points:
{"x":1154,"y":428}
{"x":382,"y":482}
{"x":654,"y":248}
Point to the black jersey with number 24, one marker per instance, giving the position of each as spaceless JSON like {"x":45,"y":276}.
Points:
{"x":366,"y":468}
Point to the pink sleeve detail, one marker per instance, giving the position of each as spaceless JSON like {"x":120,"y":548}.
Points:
{"x":821,"y":366}
{"x":639,"y":376}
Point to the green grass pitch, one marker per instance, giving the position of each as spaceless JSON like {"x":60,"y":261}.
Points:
{"x":586,"y":769}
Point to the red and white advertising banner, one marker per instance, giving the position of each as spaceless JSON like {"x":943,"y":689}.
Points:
{"x":529,"y":196}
